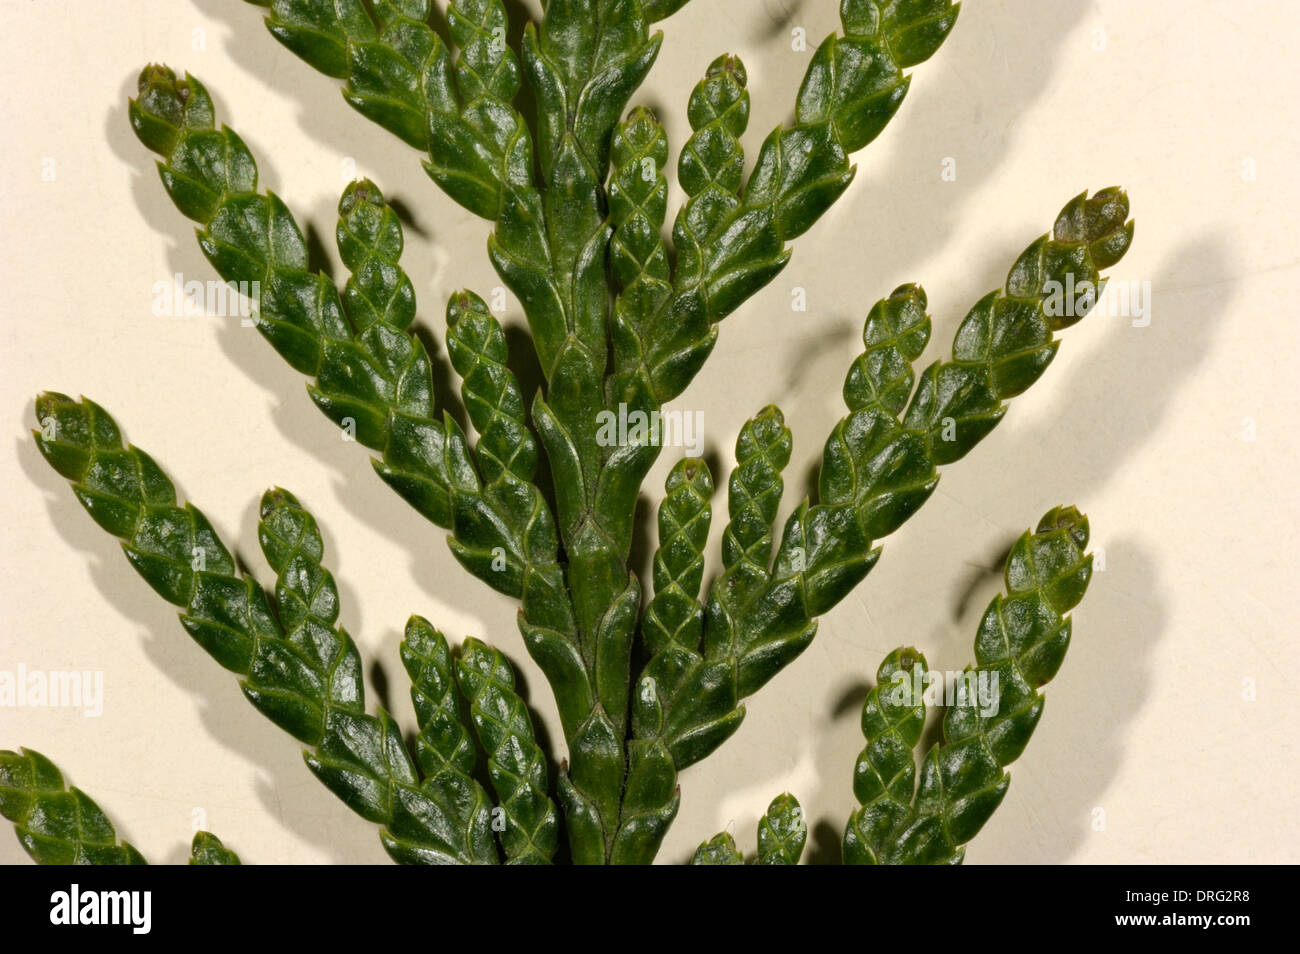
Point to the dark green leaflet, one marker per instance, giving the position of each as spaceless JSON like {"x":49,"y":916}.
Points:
{"x":671,"y":628}
{"x":297,"y":666}
{"x":719,"y":850}
{"x":444,"y":747}
{"x":57,"y":824}
{"x":516,"y":765}
{"x":638,"y":254}
{"x":734,"y":240}
{"x":877,"y":470}
{"x":372,"y":374}
{"x":1020,"y":645}
{"x":207,"y":849}
{"x":884,"y":778}
{"x":782,"y":832}
{"x":674,"y":614}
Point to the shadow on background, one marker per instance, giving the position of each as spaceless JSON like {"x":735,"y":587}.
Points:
{"x":1107,"y":674}
{"x":1110,"y":405}
{"x":878,"y":198}
{"x":1010,"y":62}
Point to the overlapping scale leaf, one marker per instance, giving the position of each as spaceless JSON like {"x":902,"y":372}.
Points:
{"x":711,"y":165}
{"x":895,"y":333}
{"x":315,"y":667}
{"x":585,"y":59}
{"x":640,"y":278}
{"x":516,"y":765}
{"x":782,"y":832}
{"x":884,"y":778}
{"x":1021,"y":643}
{"x":719,"y":850}
{"x":297,"y":666}
{"x":674,"y":614}
{"x":372,"y":375}
{"x":753,"y":496}
{"x":481,"y":149}
{"x":639,"y":266}
{"x":370,"y":242}
{"x":57,"y":824}
{"x":397,"y":69}
{"x":444,"y":748}
{"x":671,"y":630}
{"x":852,"y":88}
{"x":207,"y":849}
{"x":477,"y":346}
{"x":506,"y":453}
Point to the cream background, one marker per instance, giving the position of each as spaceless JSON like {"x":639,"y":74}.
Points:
{"x":1141,"y":427}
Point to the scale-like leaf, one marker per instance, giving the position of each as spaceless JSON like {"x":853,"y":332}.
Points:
{"x":735,"y":240}
{"x":207,"y":849}
{"x":57,"y":824}
{"x":719,"y":850}
{"x":782,"y":832}
{"x":884,"y":778}
{"x":444,"y":748}
{"x":516,"y":764}
{"x":372,"y":375}
{"x":297,"y":666}
{"x":1020,"y":646}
